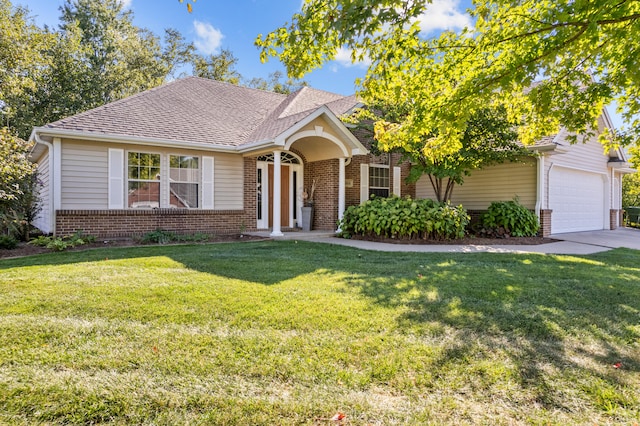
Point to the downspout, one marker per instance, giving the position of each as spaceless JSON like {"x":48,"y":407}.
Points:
{"x":540,"y":186}
{"x":52,"y":213}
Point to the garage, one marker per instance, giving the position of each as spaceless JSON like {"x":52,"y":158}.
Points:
{"x":577,"y":200}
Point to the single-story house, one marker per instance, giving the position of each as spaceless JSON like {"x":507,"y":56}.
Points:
{"x":197,"y":155}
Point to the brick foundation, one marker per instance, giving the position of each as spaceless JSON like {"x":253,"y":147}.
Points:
{"x":544,"y":220}
{"x":615,"y":218}
{"x":131,"y":223}
{"x":545,"y":223}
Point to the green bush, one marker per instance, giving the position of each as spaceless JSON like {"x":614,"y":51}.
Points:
{"x":510,"y":218}
{"x":7,"y":242}
{"x":404,"y":218}
{"x":160,"y":236}
{"x":63,"y":243}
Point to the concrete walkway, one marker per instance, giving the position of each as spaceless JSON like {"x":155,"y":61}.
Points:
{"x":572,"y":243}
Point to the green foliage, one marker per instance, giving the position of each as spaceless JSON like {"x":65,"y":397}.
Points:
{"x":7,"y":242}
{"x":220,"y":67}
{"x":631,"y":190}
{"x":19,"y":204}
{"x":161,"y":236}
{"x":510,"y":218}
{"x":586,"y":50}
{"x":275,"y":84}
{"x":488,"y":139}
{"x":404,"y":218}
{"x":63,"y":243}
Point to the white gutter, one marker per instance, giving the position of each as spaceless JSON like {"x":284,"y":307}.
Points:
{"x":52,"y":213}
{"x":540,"y":186}
{"x":135,"y":140}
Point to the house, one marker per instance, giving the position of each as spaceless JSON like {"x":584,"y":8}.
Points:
{"x":197,"y":155}
{"x":571,"y":187}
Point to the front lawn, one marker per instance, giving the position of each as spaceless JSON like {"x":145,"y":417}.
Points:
{"x":292,"y":333}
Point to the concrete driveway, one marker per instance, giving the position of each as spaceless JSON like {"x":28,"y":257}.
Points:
{"x":621,"y":237}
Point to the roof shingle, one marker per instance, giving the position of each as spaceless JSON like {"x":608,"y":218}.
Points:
{"x":204,"y":111}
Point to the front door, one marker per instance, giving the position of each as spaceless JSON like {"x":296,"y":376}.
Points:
{"x":284,"y":195}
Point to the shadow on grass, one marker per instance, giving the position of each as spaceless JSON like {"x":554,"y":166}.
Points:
{"x":528,"y":306}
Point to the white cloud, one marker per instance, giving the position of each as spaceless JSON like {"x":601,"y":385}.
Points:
{"x":443,"y":15}
{"x":126,"y":4}
{"x":343,"y":57}
{"x":208,"y":38}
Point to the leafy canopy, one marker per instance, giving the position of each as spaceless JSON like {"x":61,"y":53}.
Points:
{"x":586,"y":50}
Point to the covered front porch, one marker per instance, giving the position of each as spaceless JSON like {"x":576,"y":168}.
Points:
{"x":304,"y":166}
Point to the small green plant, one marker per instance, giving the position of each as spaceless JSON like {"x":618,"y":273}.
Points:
{"x":159,"y":236}
{"x":404,"y":218}
{"x":509,"y":218}
{"x":7,"y":242}
{"x":63,"y":243}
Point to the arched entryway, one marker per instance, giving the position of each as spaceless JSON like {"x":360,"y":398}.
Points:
{"x":291,"y":190}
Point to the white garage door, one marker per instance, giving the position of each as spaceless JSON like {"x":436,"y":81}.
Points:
{"x":576,"y":199}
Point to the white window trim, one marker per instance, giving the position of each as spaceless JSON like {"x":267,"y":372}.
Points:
{"x":379,"y":166}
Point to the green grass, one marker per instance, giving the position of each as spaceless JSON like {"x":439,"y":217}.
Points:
{"x":292,"y":333}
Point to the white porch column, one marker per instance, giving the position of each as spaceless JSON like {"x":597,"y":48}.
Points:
{"x":277,"y":179}
{"x":341,"y":191}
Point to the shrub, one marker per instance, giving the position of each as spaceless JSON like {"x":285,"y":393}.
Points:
{"x":510,"y":218}
{"x":159,"y":236}
{"x":61,"y":244}
{"x":7,"y":242}
{"x":404,"y":218}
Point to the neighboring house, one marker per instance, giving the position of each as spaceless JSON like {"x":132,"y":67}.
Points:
{"x":197,"y":155}
{"x":571,"y":187}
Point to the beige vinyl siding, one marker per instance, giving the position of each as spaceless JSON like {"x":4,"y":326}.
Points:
{"x":84,"y":176}
{"x":588,"y":156}
{"x":501,"y":182}
{"x":43,"y":221}
{"x":228,"y":182}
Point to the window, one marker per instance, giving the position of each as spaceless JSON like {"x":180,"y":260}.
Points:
{"x":143,"y":180}
{"x":379,"y":180}
{"x":184,"y":178}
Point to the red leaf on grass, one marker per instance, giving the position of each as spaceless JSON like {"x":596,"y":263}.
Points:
{"x":617,"y":365}
{"x":337,"y":417}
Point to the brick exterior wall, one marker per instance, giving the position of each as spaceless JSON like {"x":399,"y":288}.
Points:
{"x":615,"y":218}
{"x":545,"y":223}
{"x":325,"y":199}
{"x":130,"y":223}
{"x":352,"y":171}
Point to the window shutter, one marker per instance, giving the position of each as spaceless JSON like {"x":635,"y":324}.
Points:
{"x":364,"y":182}
{"x":207,"y":183}
{"x":116,"y":178}
{"x":396,"y":181}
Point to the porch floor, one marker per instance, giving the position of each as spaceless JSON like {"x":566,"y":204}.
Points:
{"x":290,"y":234}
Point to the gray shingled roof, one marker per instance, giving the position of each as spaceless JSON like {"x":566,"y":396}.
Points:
{"x":204,"y":111}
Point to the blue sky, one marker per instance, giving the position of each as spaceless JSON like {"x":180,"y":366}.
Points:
{"x":234,"y":25}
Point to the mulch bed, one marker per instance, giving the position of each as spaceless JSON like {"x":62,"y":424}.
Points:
{"x":469,"y":240}
{"x":25,"y":249}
